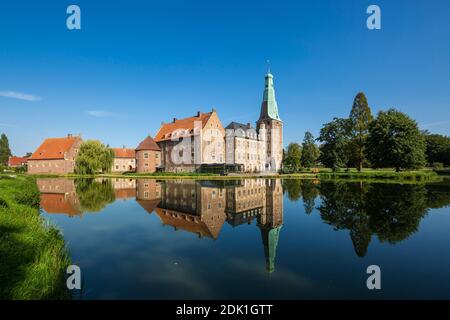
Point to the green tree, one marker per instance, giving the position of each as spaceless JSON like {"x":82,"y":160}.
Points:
{"x":94,"y":157}
{"x":395,"y":141}
{"x":310,"y":151}
{"x":360,"y":118}
{"x":5,"y":151}
{"x":438,"y":149}
{"x":334,"y":148}
{"x":293,"y":155}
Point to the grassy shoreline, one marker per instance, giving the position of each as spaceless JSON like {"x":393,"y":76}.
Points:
{"x":33,"y":254}
{"x":326,"y":174}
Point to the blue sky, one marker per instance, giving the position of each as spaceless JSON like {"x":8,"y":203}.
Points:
{"x":137,"y":63}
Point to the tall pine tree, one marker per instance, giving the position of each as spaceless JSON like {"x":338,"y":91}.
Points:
{"x":5,"y":151}
{"x":360,"y":118}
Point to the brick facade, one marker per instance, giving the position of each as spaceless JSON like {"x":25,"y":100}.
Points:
{"x":55,"y":156}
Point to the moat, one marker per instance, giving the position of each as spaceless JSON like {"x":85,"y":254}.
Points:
{"x":255,"y":238}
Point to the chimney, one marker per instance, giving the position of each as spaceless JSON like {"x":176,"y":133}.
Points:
{"x":174,"y":119}
{"x":69,"y":135}
{"x":248,"y":125}
{"x":198,"y":114}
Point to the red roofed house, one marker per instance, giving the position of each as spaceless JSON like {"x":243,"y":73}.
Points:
{"x":148,"y":156}
{"x":17,"y":162}
{"x":189,"y":143}
{"x":124,"y":160}
{"x":55,"y":156}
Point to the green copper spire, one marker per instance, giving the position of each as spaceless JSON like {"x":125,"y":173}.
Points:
{"x":269,"y":107}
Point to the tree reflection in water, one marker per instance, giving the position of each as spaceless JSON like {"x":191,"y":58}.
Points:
{"x":392,"y":212}
{"x":94,"y":194}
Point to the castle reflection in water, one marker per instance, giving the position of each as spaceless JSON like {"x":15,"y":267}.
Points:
{"x":200,"y":207}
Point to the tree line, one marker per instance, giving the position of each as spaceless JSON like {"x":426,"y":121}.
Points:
{"x":392,"y":139}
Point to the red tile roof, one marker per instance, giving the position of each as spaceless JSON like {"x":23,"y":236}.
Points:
{"x":148,"y":144}
{"x":124,"y":153}
{"x":54,"y":148}
{"x":166,"y":130}
{"x":17,"y":161}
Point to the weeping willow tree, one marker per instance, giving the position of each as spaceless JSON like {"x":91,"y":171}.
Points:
{"x":94,"y":157}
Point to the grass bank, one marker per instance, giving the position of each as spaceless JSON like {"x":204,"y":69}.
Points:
{"x":33,"y":256}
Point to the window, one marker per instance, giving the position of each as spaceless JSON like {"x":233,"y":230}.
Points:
{"x":145,"y":164}
{"x":156,"y":155}
{"x":117,"y":167}
{"x":145,"y":155}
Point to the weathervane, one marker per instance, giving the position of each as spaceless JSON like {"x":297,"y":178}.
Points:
{"x":268,"y":66}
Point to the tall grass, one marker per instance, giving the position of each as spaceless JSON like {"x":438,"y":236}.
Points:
{"x":33,"y":256}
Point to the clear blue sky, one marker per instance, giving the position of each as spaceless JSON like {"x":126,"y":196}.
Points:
{"x":137,"y":63}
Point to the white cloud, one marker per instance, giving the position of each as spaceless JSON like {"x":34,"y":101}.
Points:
{"x":7,"y":125}
{"x":103,"y":114}
{"x":19,"y":95}
{"x":435,"y":124}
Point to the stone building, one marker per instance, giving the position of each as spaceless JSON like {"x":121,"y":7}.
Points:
{"x":257,"y":149}
{"x":245,"y":148}
{"x":190,"y":143}
{"x":55,"y":156}
{"x":124,"y":160}
{"x":148,"y":156}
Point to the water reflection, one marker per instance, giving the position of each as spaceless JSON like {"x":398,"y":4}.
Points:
{"x":391,"y":212}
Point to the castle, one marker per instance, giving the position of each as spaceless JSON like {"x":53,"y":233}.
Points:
{"x":195,"y":144}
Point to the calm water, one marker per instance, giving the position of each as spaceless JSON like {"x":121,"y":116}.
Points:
{"x":253,"y":238}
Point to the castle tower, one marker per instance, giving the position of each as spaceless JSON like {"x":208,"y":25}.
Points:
{"x":271,"y":126}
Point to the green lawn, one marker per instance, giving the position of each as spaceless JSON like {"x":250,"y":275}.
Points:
{"x":33,"y":256}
